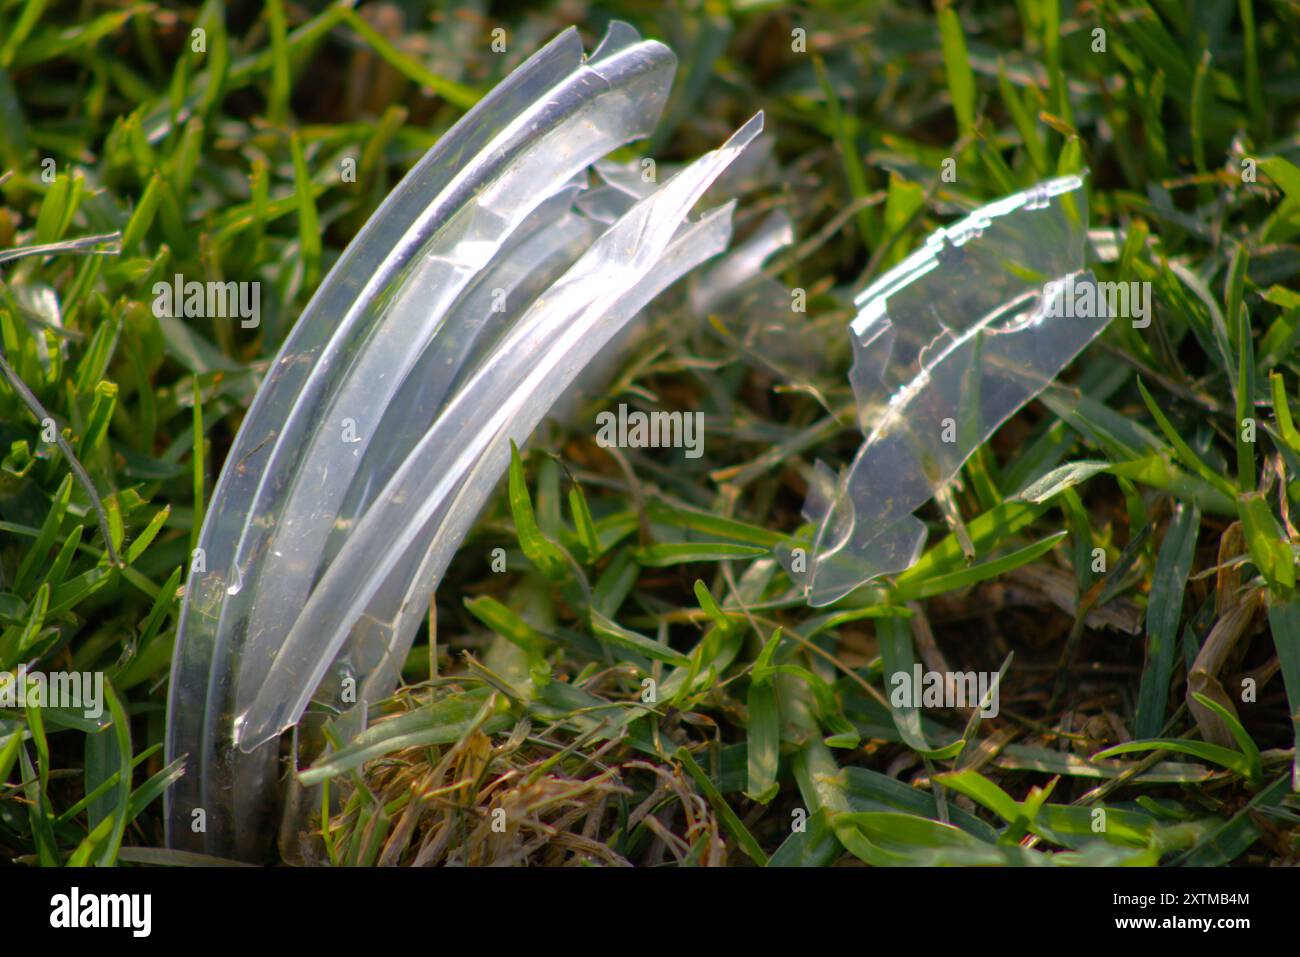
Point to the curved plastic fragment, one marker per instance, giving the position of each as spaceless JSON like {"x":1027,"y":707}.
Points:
{"x":430,"y":303}
{"x":438,"y":491}
{"x":947,"y":346}
{"x":553,"y":115}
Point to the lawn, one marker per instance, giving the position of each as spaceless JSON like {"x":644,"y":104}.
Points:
{"x":617,"y":669}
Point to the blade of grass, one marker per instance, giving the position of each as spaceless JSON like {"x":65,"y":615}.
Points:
{"x":1164,"y":610}
{"x":735,"y":827}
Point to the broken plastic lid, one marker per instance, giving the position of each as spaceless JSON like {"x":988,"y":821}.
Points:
{"x":946,"y":347}
{"x":468,"y":303}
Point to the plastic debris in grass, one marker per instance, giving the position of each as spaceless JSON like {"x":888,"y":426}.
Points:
{"x":752,"y":309}
{"x":476,"y":294}
{"x":946,"y":347}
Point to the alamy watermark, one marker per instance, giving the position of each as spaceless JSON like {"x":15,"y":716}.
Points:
{"x":82,"y":690}
{"x":652,"y":430}
{"x":133,"y":912}
{"x":1088,"y":299}
{"x":945,"y":689}
{"x":208,"y":300}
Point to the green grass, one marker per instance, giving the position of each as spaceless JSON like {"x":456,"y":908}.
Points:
{"x":643,"y":684}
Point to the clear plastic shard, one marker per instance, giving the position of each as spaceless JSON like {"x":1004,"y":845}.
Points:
{"x":947,"y":346}
{"x":430,"y":502}
{"x":754,"y":307}
{"x":733,"y":280}
{"x":465,"y":307}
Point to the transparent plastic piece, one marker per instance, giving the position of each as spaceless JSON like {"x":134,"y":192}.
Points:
{"x":438,"y":491}
{"x":947,"y":346}
{"x":755,"y":308}
{"x":418,"y":312}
